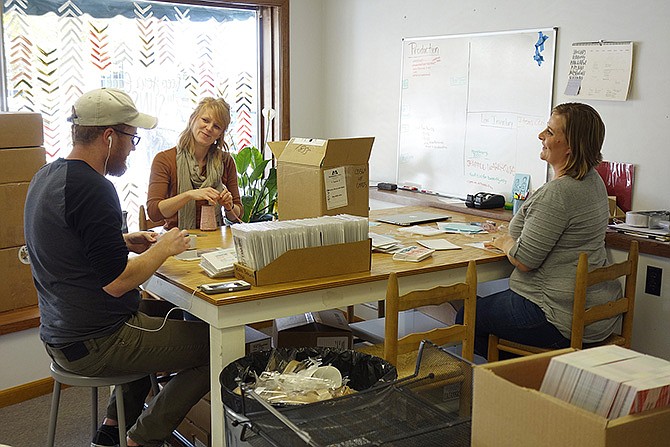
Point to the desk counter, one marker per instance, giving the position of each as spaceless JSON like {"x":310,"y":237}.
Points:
{"x":613,"y":239}
{"x":226,"y":314}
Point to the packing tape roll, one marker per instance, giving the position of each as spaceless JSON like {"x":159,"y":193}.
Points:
{"x":636,"y":219}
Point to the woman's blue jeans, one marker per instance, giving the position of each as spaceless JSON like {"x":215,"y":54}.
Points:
{"x":512,"y":317}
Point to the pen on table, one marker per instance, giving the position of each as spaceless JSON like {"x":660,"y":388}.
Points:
{"x":648,"y":236}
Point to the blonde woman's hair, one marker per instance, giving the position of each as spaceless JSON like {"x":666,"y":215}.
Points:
{"x":585,"y":133}
{"x":220,"y":110}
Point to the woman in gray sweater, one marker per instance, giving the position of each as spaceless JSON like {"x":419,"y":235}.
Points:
{"x":566,"y":216}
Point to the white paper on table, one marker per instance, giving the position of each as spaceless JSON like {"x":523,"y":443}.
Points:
{"x":380,"y":240}
{"x":483,"y":247}
{"x":438,"y":244}
{"x":425,"y":231}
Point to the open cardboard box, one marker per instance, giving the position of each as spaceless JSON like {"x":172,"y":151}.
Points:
{"x":307,"y":263}
{"x":328,"y":329}
{"x":322,"y":177}
{"x":508,"y":410}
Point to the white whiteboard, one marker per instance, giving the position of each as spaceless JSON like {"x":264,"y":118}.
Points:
{"x":471,"y":107}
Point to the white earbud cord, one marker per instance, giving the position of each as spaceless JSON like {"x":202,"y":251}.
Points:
{"x":109,"y":151}
{"x":164,"y":319}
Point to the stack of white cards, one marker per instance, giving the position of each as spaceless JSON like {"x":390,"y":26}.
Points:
{"x":258,"y":244}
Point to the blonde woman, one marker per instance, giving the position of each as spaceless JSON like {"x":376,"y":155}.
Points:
{"x":197,"y":172}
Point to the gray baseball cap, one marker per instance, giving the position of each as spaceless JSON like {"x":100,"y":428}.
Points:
{"x":109,"y":107}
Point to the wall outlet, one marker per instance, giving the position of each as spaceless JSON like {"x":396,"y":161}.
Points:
{"x":653,"y":284}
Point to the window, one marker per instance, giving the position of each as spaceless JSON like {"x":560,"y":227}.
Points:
{"x":166,"y":55}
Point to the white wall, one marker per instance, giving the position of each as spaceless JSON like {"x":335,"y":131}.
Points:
{"x":359,"y":44}
{"x":24,"y":359}
{"x":357,"y":89}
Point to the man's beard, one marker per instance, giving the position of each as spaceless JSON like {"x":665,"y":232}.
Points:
{"x":116,"y":165}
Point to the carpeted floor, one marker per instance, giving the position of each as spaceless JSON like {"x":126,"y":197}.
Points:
{"x":26,"y":424}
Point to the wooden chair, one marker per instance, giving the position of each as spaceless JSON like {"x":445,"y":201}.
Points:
{"x":402,"y":352}
{"x":146,"y":223}
{"x":581,"y":315}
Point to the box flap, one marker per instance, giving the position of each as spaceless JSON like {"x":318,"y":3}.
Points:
{"x":348,"y":151}
{"x":294,"y":321}
{"x":304,"y":151}
{"x":528,"y":371}
{"x":327,"y":153}
{"x":332,"y":318}
{"x":311,"y":321}
{"x":277,"y":147}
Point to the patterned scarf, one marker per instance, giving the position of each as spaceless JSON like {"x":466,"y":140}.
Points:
{"x":188,"y":178}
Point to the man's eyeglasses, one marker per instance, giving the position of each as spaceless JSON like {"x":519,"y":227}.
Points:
{"x":135,"y":139}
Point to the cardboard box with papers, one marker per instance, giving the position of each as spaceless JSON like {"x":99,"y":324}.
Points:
{"x":509,"y":410}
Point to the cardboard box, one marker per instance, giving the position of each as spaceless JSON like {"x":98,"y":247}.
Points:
{"x":201,"y":414}
{"x":255,"y":340}
{"x":322,"y":177}
{"x":307,"y":263}
{"x":20,"y":165}
{"x":328,"y":328}
{"x":508,"y":410}
{"x":17,"y":290}
{"x":12,"y":203}
{"x":615,"y":211}
{"x":194,"y":434}
{"x":20,"y":129}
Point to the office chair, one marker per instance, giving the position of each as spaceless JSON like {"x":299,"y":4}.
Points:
{"x":581,"y":316}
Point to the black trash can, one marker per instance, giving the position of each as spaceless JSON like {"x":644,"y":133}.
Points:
{"x":362,"y":370}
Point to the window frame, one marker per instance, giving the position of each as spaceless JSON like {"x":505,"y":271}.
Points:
{"x":274,"y":54}
{"x":274,"y":93}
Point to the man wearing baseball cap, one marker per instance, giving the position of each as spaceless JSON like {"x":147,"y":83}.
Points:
{"x":88,"y":286}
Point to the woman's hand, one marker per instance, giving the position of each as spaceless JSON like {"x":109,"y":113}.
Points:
{"x":225,"y":199}
{"x":209,"y":194}
{"x":505,"y":243}
{"x":140,"y":241}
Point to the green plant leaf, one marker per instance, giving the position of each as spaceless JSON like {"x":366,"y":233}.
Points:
{"x":243,"y":159}
{"x":258,"y":188}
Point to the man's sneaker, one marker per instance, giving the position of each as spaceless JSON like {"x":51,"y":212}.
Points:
{"x":106,"y":436}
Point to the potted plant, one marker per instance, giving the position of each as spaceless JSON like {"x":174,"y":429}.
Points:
{"x":258,"y":191}
{"x":257,"y":188}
